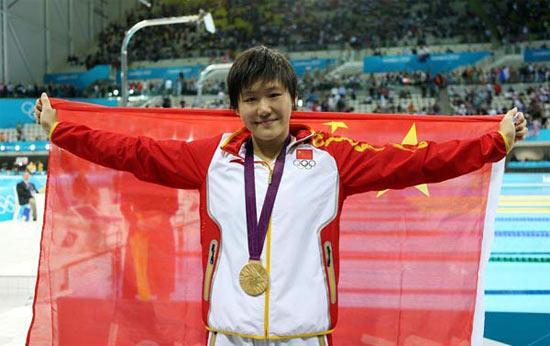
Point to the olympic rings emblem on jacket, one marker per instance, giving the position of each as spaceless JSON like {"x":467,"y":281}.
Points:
{"x":304,"y":164}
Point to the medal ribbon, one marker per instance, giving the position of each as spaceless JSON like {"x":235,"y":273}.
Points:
{"x":257,"y":230}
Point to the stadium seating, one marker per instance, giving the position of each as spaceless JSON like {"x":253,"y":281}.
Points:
{"x":316,"y":30}
{"x":319,"y":26}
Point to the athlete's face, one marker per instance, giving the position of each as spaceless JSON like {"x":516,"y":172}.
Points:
{"x":265,"y":109}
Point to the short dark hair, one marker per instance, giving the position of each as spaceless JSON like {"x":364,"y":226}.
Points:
{"x":259,"y":64}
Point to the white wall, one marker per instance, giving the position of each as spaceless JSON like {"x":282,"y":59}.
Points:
{"x":36,"y":36}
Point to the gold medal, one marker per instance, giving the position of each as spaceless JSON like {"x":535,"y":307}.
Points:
{"x":253,"y":278}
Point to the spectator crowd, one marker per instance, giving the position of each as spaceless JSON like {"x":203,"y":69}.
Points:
{"x":334,"y":24}
{"x":319,"y":25}
{"x":20,"y":90}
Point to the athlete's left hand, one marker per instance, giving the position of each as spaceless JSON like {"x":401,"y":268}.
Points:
{"x":513,"y":126}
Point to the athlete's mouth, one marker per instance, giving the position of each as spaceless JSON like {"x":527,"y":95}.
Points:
{"x":266,"y":121}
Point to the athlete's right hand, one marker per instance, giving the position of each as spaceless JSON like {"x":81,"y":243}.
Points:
{"x":44,"y":114}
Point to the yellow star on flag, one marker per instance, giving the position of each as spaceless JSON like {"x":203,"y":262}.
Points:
{"x":411,"y":139}
{"x":335,"y":125}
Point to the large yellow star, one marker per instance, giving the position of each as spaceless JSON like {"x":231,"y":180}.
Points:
{"x":410,"y":138}
{"x":335,"y":125}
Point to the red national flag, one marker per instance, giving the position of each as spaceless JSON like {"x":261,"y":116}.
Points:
{"x":304,"y":154}
{"x":412,"y":260}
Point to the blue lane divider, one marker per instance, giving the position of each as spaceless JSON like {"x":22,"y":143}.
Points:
{"x":518,"y":292}
{"x":522,"y":219}
{"x":522,"y":234}
{"x":520,"y":253}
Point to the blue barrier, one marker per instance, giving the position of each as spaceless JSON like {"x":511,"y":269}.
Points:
{"x":193,"y":71}
{"x":301,"y":66}
{"x":435,"y":63}
{"x":8,"y":196}
{"x":163,"y":73}
{"x":543,"y":135}
{"x":79,"y":79}
{"x":14,"y":111}
{"x":110,"y":102}
{"x":536,"y":55}
{"x":529,"y":164}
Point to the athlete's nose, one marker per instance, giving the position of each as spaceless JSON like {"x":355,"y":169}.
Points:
{"x":264,"y":107}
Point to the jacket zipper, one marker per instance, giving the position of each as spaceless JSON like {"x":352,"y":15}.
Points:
{"x":329,"y":257}
{"x":213,"y":249}
{"x":212,"y":339}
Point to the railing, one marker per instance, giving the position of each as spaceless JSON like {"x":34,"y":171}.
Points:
{"x":24,"y":148}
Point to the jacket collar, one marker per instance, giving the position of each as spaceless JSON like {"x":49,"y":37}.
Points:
{"x":234,"y":142}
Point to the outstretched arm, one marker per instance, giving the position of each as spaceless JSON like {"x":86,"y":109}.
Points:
{"x":168,"y":162}
{"x":364,"y":167}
